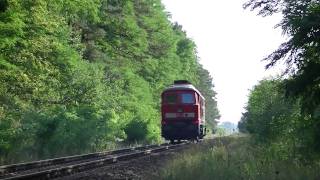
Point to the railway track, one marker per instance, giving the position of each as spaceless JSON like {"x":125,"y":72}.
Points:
{"x":59,"y":167}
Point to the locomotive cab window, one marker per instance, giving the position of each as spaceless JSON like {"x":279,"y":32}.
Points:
{"x":187,"y":98}
{"x":170,"y":98}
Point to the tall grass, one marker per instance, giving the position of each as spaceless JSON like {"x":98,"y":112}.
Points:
{"x":236,"y":158}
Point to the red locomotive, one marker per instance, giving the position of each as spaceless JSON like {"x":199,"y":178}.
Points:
{"x":183,"y":112}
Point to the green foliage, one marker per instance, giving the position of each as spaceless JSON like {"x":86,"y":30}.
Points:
{"x":205,"y":85}
{"x":285,"y":113}
{"x":77,"y":76}
{"x":236,"y":158}
{"x":301,"y":53}
{"x":220,"y":132}
{"x":276,"y":120}
{"x":268,"y":111}
{"x":136,"y":131}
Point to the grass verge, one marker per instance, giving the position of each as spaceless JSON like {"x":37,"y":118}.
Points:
{"x":236,"y":158}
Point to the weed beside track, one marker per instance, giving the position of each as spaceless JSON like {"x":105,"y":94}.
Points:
{"x":235,"y":158}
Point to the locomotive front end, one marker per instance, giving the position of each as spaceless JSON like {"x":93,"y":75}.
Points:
{"x":182,"y":111}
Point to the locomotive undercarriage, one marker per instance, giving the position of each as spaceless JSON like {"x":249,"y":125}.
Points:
{"x":182,"y":130}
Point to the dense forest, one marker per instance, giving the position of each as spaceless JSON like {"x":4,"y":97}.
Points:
{"x":283,"y":113}
{"x":80,"y":75}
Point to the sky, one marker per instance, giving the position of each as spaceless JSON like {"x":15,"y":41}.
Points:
{"x":231,"y":42}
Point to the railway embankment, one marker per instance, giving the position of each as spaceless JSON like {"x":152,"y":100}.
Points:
{"x":80,"y":166}
{"x":231,"y":157}
{"x":146,"y":167}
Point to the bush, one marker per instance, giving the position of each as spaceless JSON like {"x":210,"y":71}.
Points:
{"x":136,"y":131}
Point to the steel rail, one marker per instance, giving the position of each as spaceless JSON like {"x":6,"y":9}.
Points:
{"x":105,"y":159}
{"x":16,"y":168}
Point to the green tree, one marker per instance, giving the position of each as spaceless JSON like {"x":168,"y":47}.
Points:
{"x":276,"y":121}
{"x":300,"y":52}
{"x":206,"y":86}
{"x":79,"y":76}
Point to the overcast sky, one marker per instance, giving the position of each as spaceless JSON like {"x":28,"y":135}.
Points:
{"x":231,"y":43}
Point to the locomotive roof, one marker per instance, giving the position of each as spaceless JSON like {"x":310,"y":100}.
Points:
{"x":182,"y":87}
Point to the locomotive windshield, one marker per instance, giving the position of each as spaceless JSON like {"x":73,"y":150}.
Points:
{"x":187,"y":98}
{"x":179,"y":98}
{"x":171,"y":98}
